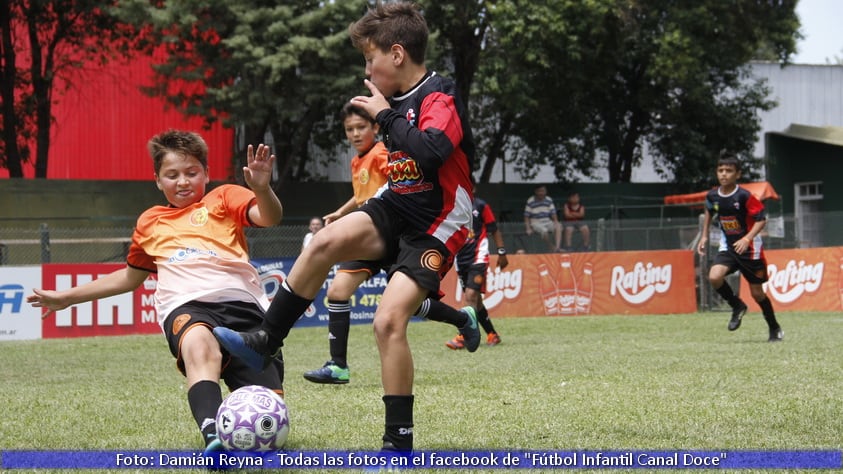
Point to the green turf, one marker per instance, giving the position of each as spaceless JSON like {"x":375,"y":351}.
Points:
{"x":584,"y":383}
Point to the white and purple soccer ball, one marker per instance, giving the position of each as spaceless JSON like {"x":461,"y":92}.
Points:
{"x":253,"y":418}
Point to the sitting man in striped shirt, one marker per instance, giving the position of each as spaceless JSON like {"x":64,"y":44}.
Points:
{"x":540,"y":217}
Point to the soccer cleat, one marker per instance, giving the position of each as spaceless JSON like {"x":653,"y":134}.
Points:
{"x":492,"y":339}
{"x":776,"y":335}
{"x":457,"y":343}
{"x":328,"y":373}
{"x":251,"y":347}
{"x":470,"y":332}
{"x":737,"y":315}
{"x":215,"y":446}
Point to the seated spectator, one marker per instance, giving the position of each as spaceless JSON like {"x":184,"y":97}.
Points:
{"x":573,"y":213}
{"x":540,"y":217}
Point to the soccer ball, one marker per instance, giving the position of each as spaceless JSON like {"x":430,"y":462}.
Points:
{"x":253,"y":418}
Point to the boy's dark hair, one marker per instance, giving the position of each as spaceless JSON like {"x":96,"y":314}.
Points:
{"x":350,"y":109}
{"x":179,"y":142}
{"x":729,"y":158}
{"x":392,"y":23}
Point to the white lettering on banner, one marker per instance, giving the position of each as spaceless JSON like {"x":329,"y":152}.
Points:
{"x":642,"y":283}
{"x":794,"y":280}
{"x":121,"y":306}
{"x":500,"y":285}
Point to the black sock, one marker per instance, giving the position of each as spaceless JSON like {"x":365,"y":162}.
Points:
{"x":436,"y":310}
{"x":399,"y":422}
{"x":339,"y":323}
{"x":483,"y":319}
{"x":286,"y":308}
{"x":205,"y":398}
{"x":769,"y":314}
{"x":725,"y":291}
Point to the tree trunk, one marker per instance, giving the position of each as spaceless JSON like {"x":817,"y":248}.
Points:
{"x":13,"y":160}
{"x":497,"y":148}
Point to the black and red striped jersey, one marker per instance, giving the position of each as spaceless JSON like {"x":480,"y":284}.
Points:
{"x":476,"y":248}
{"x":736,"y":213}
{"x":431,"y":154}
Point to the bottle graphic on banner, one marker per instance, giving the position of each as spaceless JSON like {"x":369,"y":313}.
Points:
{"x":585,"y":289}
{"x":548,"y":291}
{"x":567,"y":288}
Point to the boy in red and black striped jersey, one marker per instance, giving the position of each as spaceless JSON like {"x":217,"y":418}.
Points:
{"x":742,"y":218}
{"x":417,"y":224}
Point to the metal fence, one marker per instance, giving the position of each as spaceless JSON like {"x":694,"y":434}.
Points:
{"x":59,"y":243}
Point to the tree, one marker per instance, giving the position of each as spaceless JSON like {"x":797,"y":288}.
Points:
{"x":265,"y":68}
{"x":576,"y":84}
{"x":43,"y":44}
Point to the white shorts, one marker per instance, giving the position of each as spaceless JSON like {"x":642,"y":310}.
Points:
{"x":543,"y":226}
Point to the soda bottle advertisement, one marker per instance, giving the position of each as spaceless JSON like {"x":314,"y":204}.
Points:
{"x":588,"y":283}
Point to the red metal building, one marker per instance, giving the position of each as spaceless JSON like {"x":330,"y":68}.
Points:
{"x":103,"y":122}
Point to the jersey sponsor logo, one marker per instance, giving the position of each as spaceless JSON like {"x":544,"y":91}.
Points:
{"x":363,"y":176}
{"x":642,"y":283}
{"x":199,"y":217}
{"x":405,"y":175}
{"x":788,"y":284}
{"x":411,"y":116}
{"x":730,"y":224}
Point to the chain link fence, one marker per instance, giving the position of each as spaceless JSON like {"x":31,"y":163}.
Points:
{"x":63,"y":243}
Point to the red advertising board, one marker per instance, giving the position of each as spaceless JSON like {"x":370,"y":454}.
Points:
{"x":802,"y":280}
{"x":596,"y":283}
{"x":129,"y":313}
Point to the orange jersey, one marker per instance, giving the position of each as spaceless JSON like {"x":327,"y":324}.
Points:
{"x":368,"y":172}
{"x":199,"y":252}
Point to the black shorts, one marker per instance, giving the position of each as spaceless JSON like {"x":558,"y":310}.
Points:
{"x":370,"y":267}
{"x":414,"y":253}
{"x":235,"y":315}
{"x":474,"y":277}
{"x":754,"y":270}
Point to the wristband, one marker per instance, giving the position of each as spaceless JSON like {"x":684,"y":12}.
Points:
{"x":501,"y":251}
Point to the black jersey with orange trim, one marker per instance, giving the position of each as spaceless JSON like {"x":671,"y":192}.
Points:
{"x":736,"y":212}
{"x":431,"y":154}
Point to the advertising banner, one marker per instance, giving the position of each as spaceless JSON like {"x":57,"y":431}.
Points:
{"x":594,"y":283}
{"x":802,"y":280}
{"x":18,"y":319}
{"x":129,"y":313}
{"x":363,"y":302}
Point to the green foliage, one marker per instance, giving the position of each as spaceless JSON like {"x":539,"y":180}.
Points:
{"x":584,"y":82}
{"x":266,"y":67}
{"x":669,"y":382}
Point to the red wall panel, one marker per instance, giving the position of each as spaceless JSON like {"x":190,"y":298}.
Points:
{"x":103,"y":122}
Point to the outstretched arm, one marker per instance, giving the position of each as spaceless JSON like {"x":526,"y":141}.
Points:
{"x":119,"y":281}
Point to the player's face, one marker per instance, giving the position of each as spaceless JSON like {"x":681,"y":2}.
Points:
{"x":360,"y":132}
{"x":380,"y":69}
{"x":727,"y":175}
{"x":182,"y":179}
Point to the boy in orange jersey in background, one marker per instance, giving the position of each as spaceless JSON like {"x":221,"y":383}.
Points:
{"x":197,"y":247}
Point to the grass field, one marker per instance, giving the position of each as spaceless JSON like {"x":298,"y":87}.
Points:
{"x":584,"y":383}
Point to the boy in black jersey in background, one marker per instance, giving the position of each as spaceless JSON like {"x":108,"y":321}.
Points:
{"x":742,"y":218}
{"x":417,"y":225}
